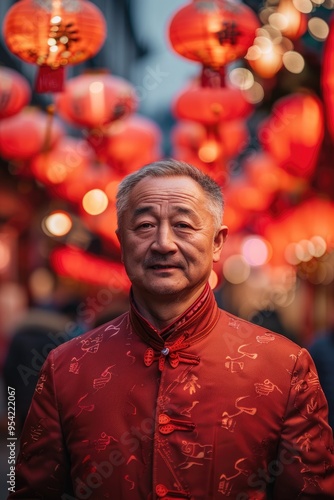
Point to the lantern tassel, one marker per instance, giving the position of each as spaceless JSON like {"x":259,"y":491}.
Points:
{"x":50,"y":80}
{"x":213,"y":77}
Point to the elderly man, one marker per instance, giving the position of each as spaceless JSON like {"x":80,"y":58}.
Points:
{"x":176,"y":398}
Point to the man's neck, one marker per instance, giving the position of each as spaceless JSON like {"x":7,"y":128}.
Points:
{"x":161,"y":312}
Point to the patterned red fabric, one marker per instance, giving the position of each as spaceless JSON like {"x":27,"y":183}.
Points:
{"x":232,"y":411}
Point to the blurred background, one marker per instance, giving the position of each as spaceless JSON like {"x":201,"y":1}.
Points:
{"x":248,"y":99}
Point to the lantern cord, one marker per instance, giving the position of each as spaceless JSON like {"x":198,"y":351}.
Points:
{"x":47,"y":139}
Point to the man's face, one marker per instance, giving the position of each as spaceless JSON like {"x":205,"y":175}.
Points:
{"x":168,"y":239}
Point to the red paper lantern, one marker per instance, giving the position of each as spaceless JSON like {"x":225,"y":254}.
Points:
{"x":15,"y":92}
{"x":70,"y":169}
{"x":294,"y":132}
{"x":128,"y":144}
{"x":54,"y":167}
{"x":262,"y":171}
{"x":216,"y":169}
{"x":310,"y":220}
{"x":250,"y":197}
{"x":28,"y":133}
{"x":91,"y":100}
{"x":53,"y":34}
{"x":230,"y":137}
{"x":209,"y":105}
{"x":213,"y":32}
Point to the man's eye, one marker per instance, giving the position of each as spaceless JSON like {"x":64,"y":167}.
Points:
{"x":182,"y":225}
{"x":145,"y":225}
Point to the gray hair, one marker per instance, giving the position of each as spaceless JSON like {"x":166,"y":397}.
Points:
{"x":172,"y":168}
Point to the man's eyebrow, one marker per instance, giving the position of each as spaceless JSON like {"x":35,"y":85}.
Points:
{"x":142,"y":210}
{"x":186,"y":211}
{"x":177,"y":209}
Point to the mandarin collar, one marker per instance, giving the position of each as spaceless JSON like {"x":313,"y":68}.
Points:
{"x":190,"y":327}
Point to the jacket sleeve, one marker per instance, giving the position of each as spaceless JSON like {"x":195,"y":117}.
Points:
{"x":42,"y":468}
{"x":305,"y":460}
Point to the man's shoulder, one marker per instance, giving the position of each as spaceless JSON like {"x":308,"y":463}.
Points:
{"x":246,"y":332}
{"x":92,"y":340}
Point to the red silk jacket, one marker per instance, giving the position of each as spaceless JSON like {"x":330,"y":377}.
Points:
{"x":212,"y":407}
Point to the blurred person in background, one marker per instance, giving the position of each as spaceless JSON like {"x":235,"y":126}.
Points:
{"x":35,"y":335}
{"x":175,"y":398}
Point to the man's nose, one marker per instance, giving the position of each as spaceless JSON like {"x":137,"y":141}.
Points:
{"x":164,"y":240}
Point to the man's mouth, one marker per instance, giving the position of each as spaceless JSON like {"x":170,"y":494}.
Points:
{"x":163,"y":266}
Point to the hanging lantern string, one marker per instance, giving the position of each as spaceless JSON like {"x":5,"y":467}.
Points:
{"x":48,"y":129}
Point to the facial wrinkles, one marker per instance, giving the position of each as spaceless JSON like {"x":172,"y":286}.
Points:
{"x":166,"y":204}
{"x":159,"y":213}
{"x":165,"y":209}
{"x":168,"y":224}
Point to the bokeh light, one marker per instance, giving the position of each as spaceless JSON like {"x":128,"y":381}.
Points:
{"x":236,"y":269}
{"x":95,"y":202}
{"x":318,"y":28}
{"x":256,"y":251}
{"x":293,"y":61}
{"x":57,"y":224}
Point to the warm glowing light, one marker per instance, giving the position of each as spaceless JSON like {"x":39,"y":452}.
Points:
{"x":253,"y":53}
{"x":289,"y":20}
{"x":255,"y":251}
{"x":55,"y":20}
{"x":236,"y":269}
{"x":290,"y":254}
{"x":241,"y":78}
{"x":268,"y":31}
{"x":278,"y":21}
{"x":58,"y":223}
{"x":255,"y":94}
{"x":304,"y":6}
{"x":96,"y":87}
{"x":54,"y":48}
{"x":265,"y":57}
{"x":293,"y":61}
{"x":319,"y":245}
{"x":304,"y":250}
{"x":318,"y":28}
{"x":264,"y":43}
{"x":97,"y":100}
{"x":95,"y":202}
{"x":209,"y":151}
{"x":265,"y":13}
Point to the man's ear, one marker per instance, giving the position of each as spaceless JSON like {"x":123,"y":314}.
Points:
{"x":118,"y":234}
{"x":218,"y":242}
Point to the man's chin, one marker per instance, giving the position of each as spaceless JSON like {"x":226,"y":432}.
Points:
{"x":165,"y":289}
{"x":164,"y":286}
